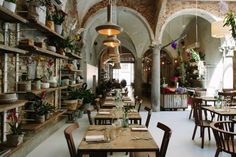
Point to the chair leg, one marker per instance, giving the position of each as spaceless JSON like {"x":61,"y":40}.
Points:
{"x":217,"y":152}
{"x":194,"y":132}
{"x":202,"y":133}
{"x":190,"y":114}
{"x":209,"y":133}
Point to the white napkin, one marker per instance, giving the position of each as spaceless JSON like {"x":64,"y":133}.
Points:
{"x":139,"y":129}
{"x":220,"y":110}
{"x":94,"y":138}
{"x":103,"y":112}
{"x":110,"y":98}
{"x":126,"y":99}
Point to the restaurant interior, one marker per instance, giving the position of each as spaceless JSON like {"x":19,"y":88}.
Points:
{"x":117,"y":78}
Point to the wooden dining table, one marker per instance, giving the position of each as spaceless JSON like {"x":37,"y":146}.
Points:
{"x":222,"y":112}
{"x":124,"y":140}
{"x":107,"y":116}
{"x":110,"y":103}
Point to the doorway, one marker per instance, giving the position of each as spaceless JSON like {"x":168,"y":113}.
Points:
{"x":126,"y":72}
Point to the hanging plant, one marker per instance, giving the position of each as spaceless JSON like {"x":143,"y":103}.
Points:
{"x":230,"y":21}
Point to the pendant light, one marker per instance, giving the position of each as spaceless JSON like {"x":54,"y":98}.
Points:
{"x":111,"y":41}
{"x":109,"y":29}
{"x":116,"y":65}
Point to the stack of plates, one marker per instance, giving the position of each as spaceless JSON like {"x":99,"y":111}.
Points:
{"x":7,"y":98}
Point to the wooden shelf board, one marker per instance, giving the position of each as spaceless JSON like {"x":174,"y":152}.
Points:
{"x":42,"y":51}
{"x":44,"y":29}
{"x":36,"y":126}
{"x":72,"y":70}
{"x":72,"y":55}
{"x":9,"y":16}
{"x":76,"y":85}
{"x":18,"y":103}
{"x":9,"y":49}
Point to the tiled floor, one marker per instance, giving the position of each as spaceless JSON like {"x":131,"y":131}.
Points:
{"x":180,"y":145}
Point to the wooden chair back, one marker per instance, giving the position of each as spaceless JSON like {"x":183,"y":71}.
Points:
{"x":228,"y":96}
{"x":165,"y":139}
{"x":89,"y":116}
{"x":69,"y":138}
{"x":149,"y":110}
{"x":197,"y":111}
{"x":200,"y":92}
{"x":97,"y":104}
{"x":140,"y":104}
{"x":225,"y":136}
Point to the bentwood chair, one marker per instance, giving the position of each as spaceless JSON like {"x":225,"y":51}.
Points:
{"x":164,"y":143}
{"x":198,"y":92}
{"x":199,"y":121}
{"x":225,"y":137}
{"x":149,"y":110}
{"x":89,"y":111}
{"x":69,"y":139}
{"x":139,"y":104}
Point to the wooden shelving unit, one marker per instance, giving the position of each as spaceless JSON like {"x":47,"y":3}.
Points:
{"x":36,"y":126}
{"x":73,"y":56}
{"x":72,"y":70}
{"x":8,"y":49}
{"x":9,"y":106}
{"x":38,"y":50}
{"x":44,"y":29}
{"x":9,"y":16}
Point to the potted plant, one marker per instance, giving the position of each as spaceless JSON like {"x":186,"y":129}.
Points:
{"x":40,"y":111}
{"x":37,"y":10}
{"x":16,"y":134}
{"x":10,"y":4}
{"x":58,"y":18}
{"x":71,"y":102}
{"x":49,"y":109}
{"x":230,"y":21}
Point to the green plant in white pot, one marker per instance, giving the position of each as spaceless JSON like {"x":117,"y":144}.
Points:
{"x":58,"y":18}
{"x":10,"y":5}
{"x":37,"y":10}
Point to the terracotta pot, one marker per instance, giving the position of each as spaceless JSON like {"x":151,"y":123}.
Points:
{"x":50,"y":24}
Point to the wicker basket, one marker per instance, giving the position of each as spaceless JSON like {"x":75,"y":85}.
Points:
{"x":71,"y":105}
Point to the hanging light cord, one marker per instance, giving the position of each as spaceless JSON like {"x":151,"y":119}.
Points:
{"x":196,"y":23}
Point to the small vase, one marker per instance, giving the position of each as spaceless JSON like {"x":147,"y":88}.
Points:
{"x":58,"y":29}
{"x":125,"y":122}
{"x":10,"y":6}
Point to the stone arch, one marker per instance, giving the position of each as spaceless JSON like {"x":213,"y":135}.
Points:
{"x":201,"y":13}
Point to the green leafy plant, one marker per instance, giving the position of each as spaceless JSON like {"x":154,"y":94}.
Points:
{"x":14,"y":123}
{"x":12,"y":1}
{"x":58,"y":17}
{"x":230,"y":21}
